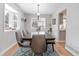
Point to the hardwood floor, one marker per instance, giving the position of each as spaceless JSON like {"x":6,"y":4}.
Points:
{"x":11,"y":51}
{"x":59,"y":47}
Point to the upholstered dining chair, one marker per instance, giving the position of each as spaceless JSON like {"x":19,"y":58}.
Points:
{"x":20,"y":41}
{"x":19,"y":38}
{"x":38,"y":44}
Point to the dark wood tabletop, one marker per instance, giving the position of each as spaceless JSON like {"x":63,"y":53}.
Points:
{"x":47,"y":37}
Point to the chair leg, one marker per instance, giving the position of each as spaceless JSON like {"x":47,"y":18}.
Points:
{"x":22,"y":41}
{"x":46,"y":46}
{"x":30,"y":44}
{"x":53,"y":47}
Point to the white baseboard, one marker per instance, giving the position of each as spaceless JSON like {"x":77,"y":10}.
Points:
{"x":72,"y":51}
{"x":8,"y":48}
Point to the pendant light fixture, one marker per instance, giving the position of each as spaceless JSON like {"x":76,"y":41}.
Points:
{"x":38,"y":14}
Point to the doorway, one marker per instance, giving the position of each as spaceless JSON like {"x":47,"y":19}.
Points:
{"x":62,"y":26}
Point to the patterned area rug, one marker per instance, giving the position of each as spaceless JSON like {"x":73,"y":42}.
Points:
{"x":26,"y":51}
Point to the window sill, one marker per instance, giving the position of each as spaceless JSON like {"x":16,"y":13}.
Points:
{"x":9,"y":30}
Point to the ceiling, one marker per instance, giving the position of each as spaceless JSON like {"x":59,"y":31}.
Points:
{"x":31,"y":8}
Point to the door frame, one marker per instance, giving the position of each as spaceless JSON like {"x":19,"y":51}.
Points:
{"x":60,"y":13}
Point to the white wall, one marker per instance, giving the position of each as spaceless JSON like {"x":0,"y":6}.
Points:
{"x":28,"y":23}
{"x":72,"y":36}
{"x":1,"y":27}
{"x":72,"y":30}
{"x":7,"y":38}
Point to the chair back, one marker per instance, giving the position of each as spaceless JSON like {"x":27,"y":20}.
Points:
{"x":38,"y":43}
{"x":18,"y":36}
{"x":24,"y":34}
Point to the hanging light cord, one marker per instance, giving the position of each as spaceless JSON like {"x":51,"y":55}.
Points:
{"x":38,"y":11}
{"x":38,"y":7}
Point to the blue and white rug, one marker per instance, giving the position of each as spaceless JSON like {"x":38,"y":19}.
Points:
{"x":26,"y":51}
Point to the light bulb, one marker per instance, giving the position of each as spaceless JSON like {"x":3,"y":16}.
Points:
{"x":38,"y":14}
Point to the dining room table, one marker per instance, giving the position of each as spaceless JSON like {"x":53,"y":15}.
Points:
{"x":48,"y":37}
